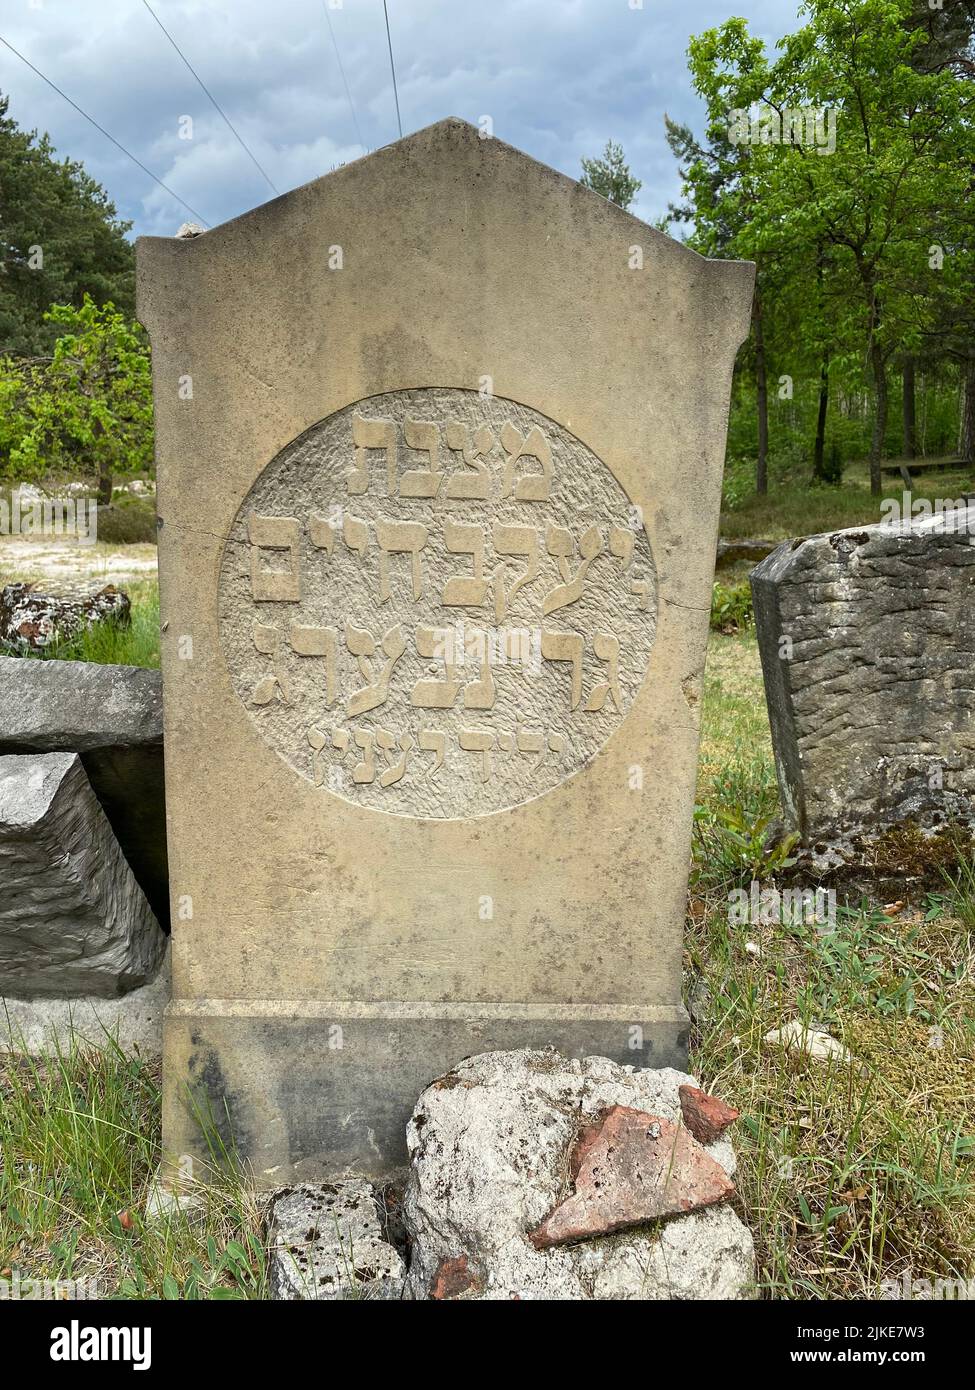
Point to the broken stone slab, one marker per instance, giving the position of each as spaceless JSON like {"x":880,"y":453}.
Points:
{"x":732,"y":552}
{"x":73,"y":920}
{"x":812,"y":1042}
{"x":627,"y":1169}
{"x":133,"y":1022}
{"x":327,"y":1241}
{"x":707,"y":1117}
{"x":112,"y":717}
{"x":867,"y":640}
{"x":490,"y":1150}
{"x":32,"y":620}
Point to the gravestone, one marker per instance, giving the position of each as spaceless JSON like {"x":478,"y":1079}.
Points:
{"x":867,"y":638}
{"x":439,"y":445}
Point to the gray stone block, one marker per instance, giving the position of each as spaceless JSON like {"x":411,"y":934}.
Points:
{"x":327,"y":1242}
{"x":867,"y":639}
{"x":112,"y":717}
{"x":73,"y":920}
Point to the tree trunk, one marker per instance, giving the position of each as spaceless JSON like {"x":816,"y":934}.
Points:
{"x":104,"y":484}
{"x":910,"y":414}
{"x":761,"y":393}
{"x":880,"y":416}
{"x":819,"y":448}
{"x":966,"y":445}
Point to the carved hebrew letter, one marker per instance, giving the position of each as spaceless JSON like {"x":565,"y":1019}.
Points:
{"x":365,"y":769}
{"x":436,"y":694}
{"x":355,"y":533}
{"x":478,"y":741}
{"x":317,"y":742}
{"x":435,"y":742}
{"x":465,"y":590}
{"x":641,"y":588}
{"x":621,"y":542}
{"x":323,"y":642}
{"x":590,"y":546}
{"x":531,"y":487}
{"x":398,"y":537}
{"x":566,"y":646}
{"x":514,"y":540}
{"x":372,"y":434}
{"x":362,"y":645}
{"x":267,"y":640}
{"x":422,"y":482}
{"x":388,"y":743}
{"x":463,"y":483}
{"x":479,"y":694}
{"x":607,"y":647}
{"x":321,"y":531}
{"x":274,"y":533}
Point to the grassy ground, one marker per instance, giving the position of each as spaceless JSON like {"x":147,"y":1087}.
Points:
{"x":802,"y":511}
{"x":849,"y":1174}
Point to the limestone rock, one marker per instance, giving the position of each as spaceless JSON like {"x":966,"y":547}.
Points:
{"x":112,"y":716}
{"x":867,"y":639}
{"x":32,"y":620}
{"x":490,"y":1146}
{"x":327,"y":1242}
{"x":73,"y":920}
{"x":815,"y":1044}
{"x":707,"y":1117}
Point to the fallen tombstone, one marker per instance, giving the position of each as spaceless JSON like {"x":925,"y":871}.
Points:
{"x":496,"y":1146}
{"x":73,"y":920}
{"x":32,"y":621}
{"x":112,"y":717}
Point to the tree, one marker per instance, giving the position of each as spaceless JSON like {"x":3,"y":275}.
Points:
{"x":87,"y":409}
{"x":60,"y":239}
{"x":610,"y":177}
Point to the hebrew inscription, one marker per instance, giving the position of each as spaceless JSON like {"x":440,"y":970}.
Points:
{"x":436,"y":604}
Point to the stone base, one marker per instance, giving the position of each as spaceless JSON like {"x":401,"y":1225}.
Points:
{"x":134,"y":1021}
{"x":305,"y":1091}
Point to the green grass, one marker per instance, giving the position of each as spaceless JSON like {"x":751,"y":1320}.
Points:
{"x":798,"y":510}
{"x":79,"y":1147}
{"x":111,"y":644}
{"x":848,"y":1175}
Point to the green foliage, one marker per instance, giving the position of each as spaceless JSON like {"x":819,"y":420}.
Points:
{"x":109,"y":643}
{"x":731,"y":607}
{"x":610,"y":176}
{"x":60,"y":239}
{"x":87,"y":411}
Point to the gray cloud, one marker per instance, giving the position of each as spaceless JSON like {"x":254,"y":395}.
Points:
{"x":557,"y":77}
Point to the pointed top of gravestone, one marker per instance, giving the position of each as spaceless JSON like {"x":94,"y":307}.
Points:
{"x":457,"y":143}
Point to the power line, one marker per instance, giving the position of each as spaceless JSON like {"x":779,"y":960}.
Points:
{"x":219,"y":109}
{"x":355,"y":122}
{"x":392,"y":67}
{"x":103,"y":131}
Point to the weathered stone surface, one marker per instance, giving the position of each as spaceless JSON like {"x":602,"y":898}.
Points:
{"x":707,"y":1117}
{"x":73,"y":920}
{"x":490,"y":1150}
{"x":628,"y":1168}
{"x":867,"y":639}
{"x":31,"y":620}
{"x":430,"y":773}
{"x":133,"y":1021}
{"x":112,"y":716}
{"x":327,"y":1242}
{"x":813,"y":1043}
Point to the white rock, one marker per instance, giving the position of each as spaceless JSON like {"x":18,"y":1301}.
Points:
{"x":798,"y":1038}
{"x":327,"y":1242}
{"x":489,"y":1145}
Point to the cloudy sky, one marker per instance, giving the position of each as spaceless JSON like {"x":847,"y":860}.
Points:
{"x":557,"y":77}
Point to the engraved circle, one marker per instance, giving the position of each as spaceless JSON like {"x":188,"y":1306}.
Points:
{"x":437,"y":604}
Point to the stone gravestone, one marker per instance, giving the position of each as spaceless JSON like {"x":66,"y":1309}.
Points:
{"x":867,"y":638}
{"x":439,"y":443}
